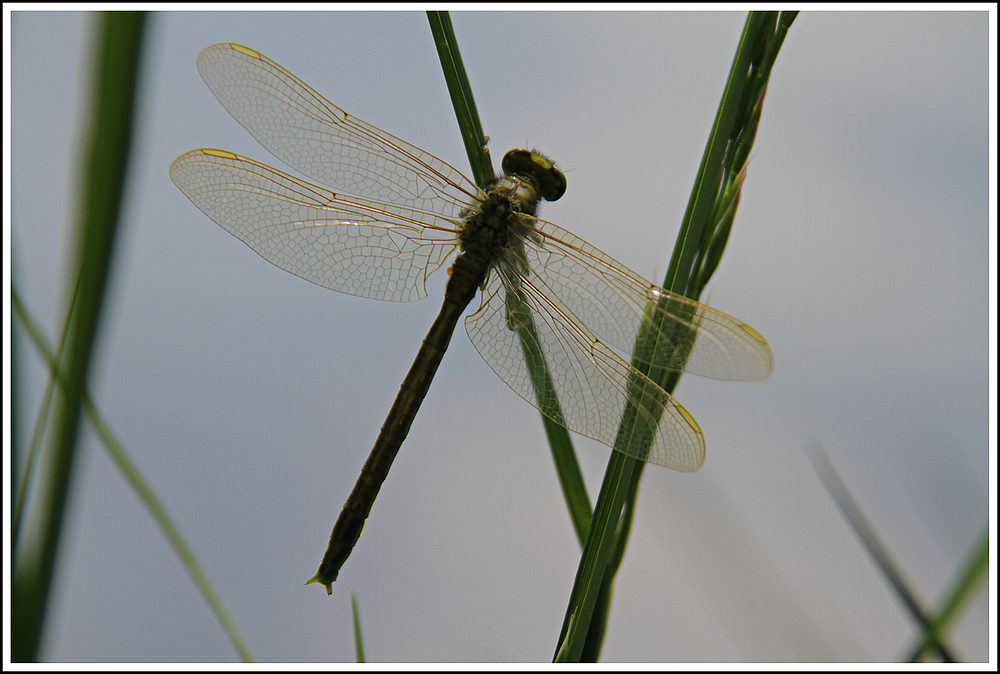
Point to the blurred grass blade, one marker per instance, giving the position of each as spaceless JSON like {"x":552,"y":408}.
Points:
{"x":863,"y":528}
{"x":139,"y":485}
{"x":119,"y":35}
{"x":974,"y":572}
{"x":700,"y":242}
{"x":359,"y":646}
{"x":563,"y":454}
{"x":23,"y":486}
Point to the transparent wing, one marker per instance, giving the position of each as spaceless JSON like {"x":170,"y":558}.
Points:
{"x":594,"y":386}
{"x":614,"y":301}
{"x":312,"y":135}
{"x":349,"y":244}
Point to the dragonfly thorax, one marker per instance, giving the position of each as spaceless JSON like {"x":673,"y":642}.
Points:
{"x":494,"y":223}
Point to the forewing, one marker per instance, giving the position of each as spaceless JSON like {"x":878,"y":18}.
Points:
{"x":312,"y":135}
{"x":349,"y":244}
{"x":595,"y":388}
{"x":614,"y":302}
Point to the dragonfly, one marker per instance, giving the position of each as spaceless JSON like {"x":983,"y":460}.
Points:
{"x":550,"y":301}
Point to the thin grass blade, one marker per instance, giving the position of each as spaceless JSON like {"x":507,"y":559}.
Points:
{"x":563,"y":453}
{"x":973,"y":573}
{"x":866,"y":532}
{"x":462,"y":98}
{"x":359,"y":646}
{"x":23,"y":486}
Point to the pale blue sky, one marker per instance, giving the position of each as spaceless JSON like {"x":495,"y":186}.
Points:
{"x":250,"y":397}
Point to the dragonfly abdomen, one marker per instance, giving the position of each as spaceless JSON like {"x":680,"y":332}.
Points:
{"x":468,"y":273}
{"x":486,"y":235}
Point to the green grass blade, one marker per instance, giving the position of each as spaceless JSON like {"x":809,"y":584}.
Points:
{"x":139,"y":485}
{"x":563,"y":453}
{"x":768,"y":33}
{"x":102,"y":183}
{"x":596,"y":550}
{"x":359,"y":646}
{"x":462,"y":98}
{"x":570,"y":477}
{"x":595,"y":635}
{"x":973,"y":573}
{"x":705,"y":220}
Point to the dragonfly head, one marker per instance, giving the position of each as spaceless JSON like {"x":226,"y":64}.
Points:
{"x":551,"y":181}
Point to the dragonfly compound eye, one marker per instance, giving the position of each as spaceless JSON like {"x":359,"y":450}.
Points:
{"x":551,"y":181}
